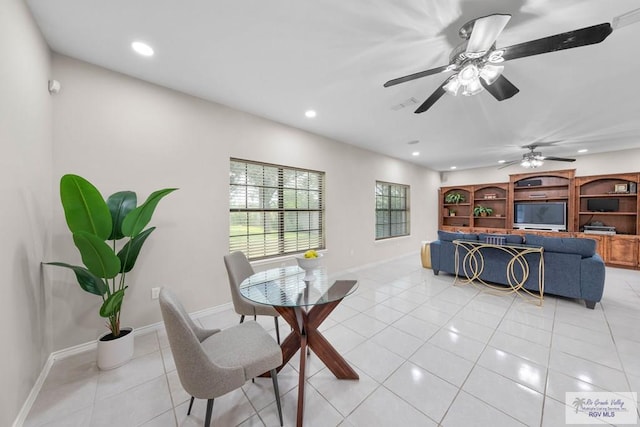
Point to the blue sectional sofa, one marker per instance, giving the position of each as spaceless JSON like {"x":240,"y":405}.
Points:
{"x":572,"y":268}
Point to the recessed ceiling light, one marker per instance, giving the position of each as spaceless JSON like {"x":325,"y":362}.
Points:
{"x":310,"y":113}
{"x":453,"y":167}
{"x":415,"y":153}
{"x":502,"y":161}
{"x":584,"y":150}
{"x":142,"y":48}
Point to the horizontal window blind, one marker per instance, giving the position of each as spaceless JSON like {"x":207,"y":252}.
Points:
{"x":274,"y":210}
{"x":392,"y":210}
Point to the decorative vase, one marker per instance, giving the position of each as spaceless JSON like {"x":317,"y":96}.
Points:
{"x":115,"y":352}
{"x":308,"y":265}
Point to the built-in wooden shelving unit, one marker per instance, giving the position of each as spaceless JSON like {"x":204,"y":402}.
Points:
{"x":621,"y":249}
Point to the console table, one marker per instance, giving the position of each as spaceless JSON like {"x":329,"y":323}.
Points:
{"x":472,"y":265}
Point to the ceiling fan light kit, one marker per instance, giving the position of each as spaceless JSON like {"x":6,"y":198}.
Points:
{"x":469,"y":78}
{"x":532,"y":160}
{"x":474,"y":60}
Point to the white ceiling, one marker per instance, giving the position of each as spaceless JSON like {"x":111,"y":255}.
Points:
{"x":278,"y":58}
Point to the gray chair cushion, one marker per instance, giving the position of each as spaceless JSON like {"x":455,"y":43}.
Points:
{"x":216,"y":366}
{"x":245,"y":345}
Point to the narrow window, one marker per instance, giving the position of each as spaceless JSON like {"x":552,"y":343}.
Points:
{"x":392,"y":210}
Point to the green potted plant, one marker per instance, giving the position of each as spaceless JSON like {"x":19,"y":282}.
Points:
{"x":454,"y":198}
{"x":480,"y":210}
{"x":92,"y":222}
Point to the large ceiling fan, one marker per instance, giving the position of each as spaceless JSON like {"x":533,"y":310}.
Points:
{"x":476,"y":61}
{"x":533,"y":158}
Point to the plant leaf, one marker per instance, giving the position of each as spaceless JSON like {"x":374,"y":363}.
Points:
{"x":112,"y":304}
{"x":86,"y":279}
{"x":97,"y":256}
{"x":120,"y":204}
{"x":138,"y":218}
{"x":129,"y":253}
{"x":84,"y":207}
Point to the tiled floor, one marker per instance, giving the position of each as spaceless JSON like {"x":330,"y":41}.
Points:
{"x":428,"y":353}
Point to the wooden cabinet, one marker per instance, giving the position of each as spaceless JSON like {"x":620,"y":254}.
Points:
{"x":616,"y":204}
{"x":622,"y":251}
{"x":493,"y":196}
{"x":552,"y":186}
{"x":607,"y":200}
{"x":456,"y":216}
{"x":460,"y":216}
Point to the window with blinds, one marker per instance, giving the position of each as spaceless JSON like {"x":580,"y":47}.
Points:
{"x":274,"y":210}
{"x":392,"y":210}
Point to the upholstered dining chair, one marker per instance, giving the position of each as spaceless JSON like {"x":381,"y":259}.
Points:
{"x":213,"y":362}
{"x":238,"y":269}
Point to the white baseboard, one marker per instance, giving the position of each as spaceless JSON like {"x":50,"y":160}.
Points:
{"x":91,"y":345}
{"x":33,"y":394}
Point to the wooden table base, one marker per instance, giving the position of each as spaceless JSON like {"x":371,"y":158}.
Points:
{"x":305,"y":333}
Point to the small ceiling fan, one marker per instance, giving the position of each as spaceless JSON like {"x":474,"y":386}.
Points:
{"x":534,"y":159}
{"x":476,"y":60}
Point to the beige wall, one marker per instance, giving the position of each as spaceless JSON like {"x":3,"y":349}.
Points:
{"x":594,"y":164}
{"x":25,"y":191}
{"x":122,"y":133}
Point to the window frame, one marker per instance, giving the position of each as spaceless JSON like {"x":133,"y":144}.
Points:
{"x":277,"y":220}
{"x":389,"y":210}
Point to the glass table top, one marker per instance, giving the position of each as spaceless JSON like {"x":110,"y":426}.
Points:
{"x":287,"y":287}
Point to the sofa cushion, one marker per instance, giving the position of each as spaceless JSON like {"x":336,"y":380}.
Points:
{"x":448,"y":236}
{"x":509,"y":238}
{"x":567,"y":245}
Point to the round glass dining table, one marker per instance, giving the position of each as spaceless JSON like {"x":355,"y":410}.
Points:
{"x":286,"y":287}
{"x":303,"y":304}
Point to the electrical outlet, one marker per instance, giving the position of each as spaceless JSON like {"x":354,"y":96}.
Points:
{"x":155,"y":293}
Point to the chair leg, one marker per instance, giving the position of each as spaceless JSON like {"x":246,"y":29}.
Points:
{"x":190,"y":406}
{"x":255,"y":318}
{"x":241,"y":318}
{"x":275,"y":318}
{"x":207,"y":419}
{"x":274,"y":377}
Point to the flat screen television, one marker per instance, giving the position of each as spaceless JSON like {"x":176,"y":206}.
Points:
{"x":540,"y":216}
{"x":603,"y":205}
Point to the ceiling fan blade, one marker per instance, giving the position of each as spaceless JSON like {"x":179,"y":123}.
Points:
{"x":485,"y":32}
{"x":625,"y":19}
{"x":501,"y":89}
{"x":437,"y":94}
{"x":540,"y":143}
{"x":559,"y":159}
{"x":509,"y":163}
{"x":417,"y":75}
{"x":576,"y":38}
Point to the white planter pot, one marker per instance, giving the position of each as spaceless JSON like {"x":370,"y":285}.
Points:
{"x":117,"y":352}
